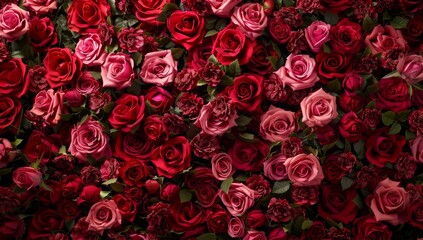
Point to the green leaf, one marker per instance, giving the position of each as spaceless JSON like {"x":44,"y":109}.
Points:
{"x":247,"y":136}
{"x":274,"y":61}
{"x":138,"y":58}
{"x":201,"y":83}
{"x":62,"y":150}
{"x":17,"y":54}
{"x":392,"y":74}
{"x":185,"y":195}
{"x":211,"y":33}
{"x":306,"y":224}
{"x":334,"y":85}
{"x":226,"y":184}
{"x":395,"y":128}
{"x":242,"y":120}
{"x":104,"y":194}
{"x":220,"y":24}
{"x":368,"y":24}
{"x":388,"y":118}
{"x":177,"y":53}
{"x":359,"y":149}
{"x":409,"y":135}
{"x":233,"y":69}
{"x":207,"y":236}
{"x":346,"y":183}
{"x":326,"y":48}
{"x":358,"y":202}
{"x":4,"y":171}
{"x":213,"y":59}
{"x":110,"y":181}
{"x":281,"y":187}
{"x":403,"y":115}
{"x":167,"y":11}
{"x":211,"y":90}
{"x":399,"y":22}
{"x":331,"y":18}
{"x":96,"y":75}
{"x":288,"y":3}
{"x":227,"y":81}
{"x":45,"y":186}
{"x":16,"y":143}
{"x":117,"y":187}
{"x":371,"y":104}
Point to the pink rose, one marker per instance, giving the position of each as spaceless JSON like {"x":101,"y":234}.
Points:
{"x":159,"y":68}
{"x":317,"y":34}
{"x":416,"y":146}
{"x":238,"y":200}
{"x":389,"y":202}
{"x":40,"y":7}
{"x":27,"y":177}
{"x":7,"y":154}
{"x":13,"y":22}
{"x":411,"y":68}
{"x":117,"y":71}
{"x":222,"y":8}
{"x":222,"y":166}
{"x":274,"y":167}
{"x":48,"y":105}
{"x":89,"y":138}
{"x":299,"y":72}
{"x":236,"y":227}
{"x":383,"y":39}
{"x":304,"y":170}
{"x":90,"y":50}
{"x":318,"y":109}
{"x":250,"y":18}
{"x":103,"y":215}
{"x":255,"y":235}
{"x":277,"y":124}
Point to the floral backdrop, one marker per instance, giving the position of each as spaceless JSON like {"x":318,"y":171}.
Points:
{"x":211,"y":119}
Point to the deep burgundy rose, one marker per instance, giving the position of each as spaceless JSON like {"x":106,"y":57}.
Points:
{"x":158,"y":218}
{"x":289,"y":15}
{"x":246,"y":92}
{"x":415,"y":119}
{"x":417,"y":98}
{"x":190,"y":104}
{"x":367,"y":227}
{"x":279,"y":210}
{"x":279,"y":30}
{"x":69,"y":209}
{"x":351,"y":127}
{"x":44,"y":222}
{"x":127,"y":207}
{"x":393,"y":94}
{"x":155,"y":129}
{"x":128,"y":112}
{"x":13,"y":78}
{"x":40,"y":145}
{"x":333,"y":65}
{"x":84,"y":16}
{"x":218,"y":220}
{"x":336,"y":6}
{"x":292,"y":147}
{"x":186,"y":28}
{"x":8,"y":200}
{"x":205,"y":146}
{"x":175,"y":124}
{"x":90,"y":175}
{"x":199,"y":54}
{"x":370,"y":117}
{"x":4,"y":51}
{"x":42,"y":34}
{"x":98,"y":101}
{"x":159,"y":99}
{"x":326,"y":135}
{"x":12,"y":227}
{"x":332,"y":170}
{"x":406,"y":167}
{"x":382,"y":148}
{"x":256,"y":218}
{"x":412,"y":6}
{"x":80,"y":231}
{"x":248,"y":156}
{"x":10,"y":108}
{"x":352,"y":82}
{"x":259,"y":62}
{"x":134,"y":173}
{"x":338,"y":205}
{"x":308,"y":195}
{"x":345,"y":37}
{"x":131,"y":39}
{"x":204,"y":184}
{"x":185,"y":216}
{"x":351,"y":103}
{"x":277,"y":234}
{"x":62,"y":66}
{"x":172,"y":157}
{"x":148,"y":11}
{"x":413,"y":34}
{"x":316,"y":230}
{"x":260,"y":185}
{"x":415,"y":214}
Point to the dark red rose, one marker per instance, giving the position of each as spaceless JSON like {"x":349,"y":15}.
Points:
{"x":333,"y":65}
{"x":307,"y":195}
{"x":159,"y":99}
{"x":169,"y":192}
{"x":87,"y":84}
{"x":351,"y":103}
{"x":152,"y":186}
{"x":259,"y":62}
{"x":231,"y":44}
{"x":415,"y":214}
{"x":199,"y":54}
{"x":352,"y":82}
{"x":338,"y":205}
{"x":148,"y":11}
{"x":273,"y":88}
{"x":367,"y":227}
{"x":316,"y":231}
{"x":4,"y":51}
{"x":134,"y":173}
{"x":279,"y":210}
{"x":51,"y":197}
{"x":277,"y":234}
{"x":8,"y":200}
{"x":74,"y":98}
{"x":203,"y":182}
{"x":40,"y":145}
{"x":327,"y":135}
{"x":128,"y":112}
{"x":212,"y":74}
{"x":62,"y":66}
{"x":246,"y":92}
{"x":131,"y":39}
{"x":36,"y":78}
{"x":415,"y":119}
{"x":127,"y":207}
{"x":42,"y":34}
{"x":256,"y":218}
{"x":11,"y":227}
{"x":186,"y":216}
{"x":90,"y":175}
{"x":84,"y":16}
{"x":382,"y":147}
{"x":13,"y":80}
{"x":80,"y":231}
{"x":130,"y":146}
{"x":289,"y":15}
{"x":186,"y":28}
{"x":190,"y":104}
{"x":370,"y":117}
{"x":155,"y":129}
{"x":205,"y":146}
{"x":158,"y":218}
{"x":90,"y":194}
{"x":174,"y":123}
{"x":69,"y":209}
{"x":351,"y":127}
{"x":260,"y":185}
{"x":393,"y":94}
{"x":279,"y":30}
{"x":332,"y":170}
{"x":345,"y":37}
{"x":411,"y":6}
{"x":406,"y":167}
{"x":44,"y":222}
{"x":10,"y":108}
{"x":248,"y":156}
{"x":218,"y":220}
{"x":413,"y":34}
{"x":336,"y":6}
{"x":72,"y":186}
{"x":417,"y":98}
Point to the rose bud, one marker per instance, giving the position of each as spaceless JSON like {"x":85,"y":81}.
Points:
{"x":152,"y":186}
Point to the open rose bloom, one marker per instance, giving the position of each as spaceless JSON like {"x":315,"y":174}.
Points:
{"x":211,"y":119}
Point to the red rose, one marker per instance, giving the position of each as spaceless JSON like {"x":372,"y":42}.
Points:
{"x":128,"y":112}
{"x":415,"y":214}
{"x":413,"y":34}
{"x":186,"y":27}
{"x":147,"y":11}
{"x":345,"y":37}
{"x":27,"y":177}
{"x":11,"y":227}
{"x":231,"y":44}
{"x":336,"y":6}
{"x":218,"y":220}
{"x":13,"y":80}
{"x":351,"y":103}
{"x":134,"y":173}
{"x":412,"y":6}
{"x":333,"y":65}
{"x":246,"y":92}
{"x":259,"y":62}
{"x":40,"y":145}
{"x":90,"y":194}
{"x":367,"y":227}
{"x":316,"y":231}
{"x":248,"y":156}
{"x":326,"y":135}
{"x":172,"y":157}
{"x":338,"y":205}
{"x":186,"y":216}
{"x":44,"y":222}
{"x":63,"y":67}
{"x":127,"y":207}
{"x":159,"y":99}
{"x":351,"y":127}
{"x":382,"y":148}
{"x":42,"y":34}
{"x":205,"y":146}
{"x":393,"y":94}
{"x":130,"y":146}
{"x":155,"y":129}
{"x":84,"y":16}
{"x":256,"y":218}
{"x":204,"y":184}
{"x":332,"y":170}
{"x":69,"y":209}
{"x":10,"y":108}
{"x":279,"y":30}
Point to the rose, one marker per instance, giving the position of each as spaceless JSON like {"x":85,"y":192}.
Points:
{"x":250,"y":18}
{"x":318,"y":109}
{"x":260,"y":185}
{"x":89,"y":138}
{"x":159,"y":68}
{"x":131,"y":39}
{"x":84,"y":16}
{"x":337,"y":204}
{"x":134,"y":173}
{"x":317,"y":34}
{"x":238,"y":200}
{"x":411,"y":68}
{"x":199,"y":54}
{"x":127,"y":207}
{"x":335,"y":6}
{"x":90,"y":50}
{"x":333,"y":65}
{"x":40,"y":7}
{"x":256,"y":218}
{"x":42,"y":34}
{"x":217,"y":116}
{"x":186,"y":28}
{"x":274,"y":167}
{"x":352,"y":82}
{"x":393,"y":94}
{"x":277,"y":234}
{"x":186,"y":216}
{"x":128,"y":112}
{"x":416,"y":146}
{"x":222,"y":166}
{"x":204,"y":184}
{"x":255,"y":235}
{"x":411,"y":6}
{"x":73,"y":98}
{"x":277,"y":124}
{"x":26,"y":177}
{"x":299,"y":72}
{"x":248,"y":156}
{"x":231,"y":44}
{"x":148,"y":11}
{"x":44,"y":222}
{"x":172,"y":157}
{"x":103,"y":215}
{"x":205,"y":146}
{"x":7,"y":154}
{"x":69,"y":209}
{"x":62,"y":67}
{"x":351,"y":127}
{"x":48,"y":105}
{"x":382,"y":148}
{"x":13,"y":77}
{"x":13,"y":22}
{"x":389,"y":202}
{"x":304,"y":170}
{"x":11,"y":227}
{"x":308,"y":195}
{"x":345,"y":37}
{"x":246,"y":92}
{"x":89,"y":195}
{"x":279,"y":30}
{"x":117,"y":71}
{"x":384,"y":39}
{"x":279,"y":210}
{"x":415,"y":214}
{"x":218,"y":221}
{"x":222,"y":8}
{"x":40,"y":145}
{"x":109,"y":169}
{"x":190,"y":104}
{"x":413,"y":34}
{"x":259,"y":62}
{"x":155,"y":129}
{"x":367,"y":227}
{"x":10,"y":107}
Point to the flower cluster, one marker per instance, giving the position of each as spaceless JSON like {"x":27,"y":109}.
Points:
{"x":211,"y":119}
